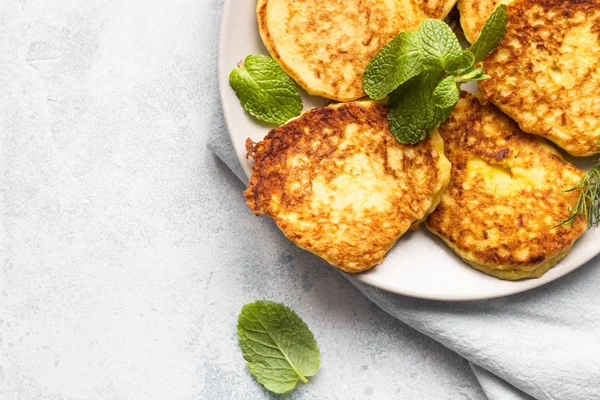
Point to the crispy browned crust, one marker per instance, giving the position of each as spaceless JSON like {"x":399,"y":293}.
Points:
{"x":338,"y":184}
{"x":510,"y":236}
{"x":545,"y":73}
{"x":436,"y":8}
{"x":321,"y":62}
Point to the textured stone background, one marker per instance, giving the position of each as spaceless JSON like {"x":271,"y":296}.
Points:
{"x":126,"y":248}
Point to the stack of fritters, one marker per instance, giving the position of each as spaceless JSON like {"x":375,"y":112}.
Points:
{"x":338,"y":183}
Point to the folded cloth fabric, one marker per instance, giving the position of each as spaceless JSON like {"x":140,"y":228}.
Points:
{"x":542,"y":344}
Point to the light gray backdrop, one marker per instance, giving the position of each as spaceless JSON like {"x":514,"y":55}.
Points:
{"x":126,"y":248}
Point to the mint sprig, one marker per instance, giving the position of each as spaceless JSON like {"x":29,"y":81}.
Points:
{"x":265,"y":90}
{"x":279,"y":347}
{"x":422,"y":71}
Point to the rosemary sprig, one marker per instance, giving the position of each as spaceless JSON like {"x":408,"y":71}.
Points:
{"x":588,"y":203}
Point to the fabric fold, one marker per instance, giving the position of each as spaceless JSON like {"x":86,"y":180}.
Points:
{"x":495,"y":388}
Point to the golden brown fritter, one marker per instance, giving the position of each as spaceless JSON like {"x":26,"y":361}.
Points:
{"x":325,"y":46}
{"x":474,"y":13}
{"x":545,"y":73}
{"x":438,"y":9}
{"x":338,"y":184}
{"x":505,"y":195}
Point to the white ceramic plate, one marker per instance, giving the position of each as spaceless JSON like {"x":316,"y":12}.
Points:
{"x":420,"y":265}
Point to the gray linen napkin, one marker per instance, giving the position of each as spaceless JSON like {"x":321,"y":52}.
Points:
{"x":544,"y":343}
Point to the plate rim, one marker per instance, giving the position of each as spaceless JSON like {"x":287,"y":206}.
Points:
{"x":521,"y":286}
{"x":525,"y":285}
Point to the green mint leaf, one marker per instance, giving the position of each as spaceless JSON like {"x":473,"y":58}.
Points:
{"x":394,"y":64}
{"x":462,"y":64}
{"x":265,"y":90}
{"x":492,"y":33}
{"x":471,"y":75}
{"x":446,"y":94}
{"x":412,"y":112}
{"x":279,"y":347}
{"x":440,"y":45}
{"x":474,"y":75}
{"x":480,"y":77}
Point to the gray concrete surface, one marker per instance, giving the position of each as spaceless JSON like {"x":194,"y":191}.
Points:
{"x":126,"y":248}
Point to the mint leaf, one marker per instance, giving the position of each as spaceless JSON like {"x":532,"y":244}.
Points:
{"x":462,"y":64}
{"x":412,"y":112}
{"x":279,"y":347}
{"x":492,"y":33}
{"x":440,"y":45}
{"x":394,"y":64}
{"x":446,"y":93}
{"x":471,"y":75}
{"x":475,"y":75}
{"x":265,"y":90}
{"x":480,"y":77}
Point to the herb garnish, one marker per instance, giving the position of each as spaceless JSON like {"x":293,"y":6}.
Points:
{"x":588,"y":203}
{"x":265,"y":90}
{"x":279,"y":347}
{"x":422,"y":71}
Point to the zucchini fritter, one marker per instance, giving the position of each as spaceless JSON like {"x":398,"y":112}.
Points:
{"x":545,"y":73}
{"x":505,"y":195}
{"x":337,"y":183}
{"x":325,"y":46}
